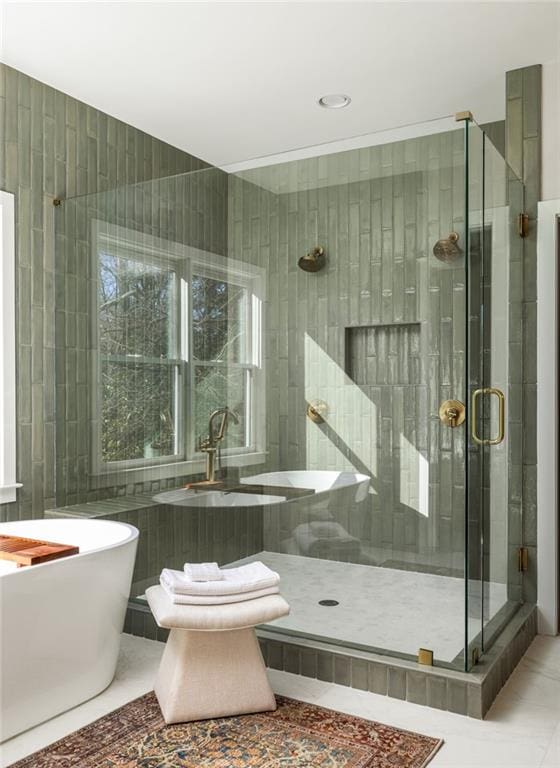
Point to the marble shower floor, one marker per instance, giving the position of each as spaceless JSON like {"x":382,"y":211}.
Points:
{"x":384,"y":608}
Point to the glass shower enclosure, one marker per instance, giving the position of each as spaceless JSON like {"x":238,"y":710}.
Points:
{"x":359,"y":315}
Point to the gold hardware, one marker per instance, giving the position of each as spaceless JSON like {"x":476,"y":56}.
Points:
{"x":452,"y":413}
{"x":475,"y":656}
{"x":426,"y":657}
{"x":466,"y":115}
{"x":313,"y":261}
{"x":522,"y":559}
{"x":523,"y":224}
{"x":209,"y":445}
{"x":317,"y":411}
{"x":447,"y":248}
{"x":501,"y":416}
{"x":57,"y":201}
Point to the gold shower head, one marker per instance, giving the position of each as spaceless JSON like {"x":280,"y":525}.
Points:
{"x":314,"y":261}
{"x":447,"y":249}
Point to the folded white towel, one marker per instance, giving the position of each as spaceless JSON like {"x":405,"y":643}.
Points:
{"x":218,"y":599}
{"x":245,"y":578}
{"x":203,"y":572}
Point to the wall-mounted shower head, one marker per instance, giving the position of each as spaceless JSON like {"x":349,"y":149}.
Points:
{"x":313,"y":261}
{"x":447,"y":249}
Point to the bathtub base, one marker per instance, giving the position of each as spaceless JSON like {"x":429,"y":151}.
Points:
{"x":212,"y":674}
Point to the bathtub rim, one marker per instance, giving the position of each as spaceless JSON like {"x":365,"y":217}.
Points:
{"x":134,"y":534}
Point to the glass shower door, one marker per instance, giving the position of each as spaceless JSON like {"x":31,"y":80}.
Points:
{"x":494,"y":472}
{"x":503,"y":372}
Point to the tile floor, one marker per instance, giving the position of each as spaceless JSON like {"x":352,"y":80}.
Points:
{"x":522,"y":729}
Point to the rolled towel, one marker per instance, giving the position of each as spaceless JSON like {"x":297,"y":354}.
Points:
{"x":245,"y":578}
{"x":203,"y":572}
{"x":218,"y":599}
{"x":324,"y":539}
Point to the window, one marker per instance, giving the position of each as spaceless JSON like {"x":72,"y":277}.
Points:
{"x":222,"y":369}
{"x":177,"y":334}
{"x":8,"y":483}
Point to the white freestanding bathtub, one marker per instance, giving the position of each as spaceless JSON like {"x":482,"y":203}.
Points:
{"x":61,"y":622}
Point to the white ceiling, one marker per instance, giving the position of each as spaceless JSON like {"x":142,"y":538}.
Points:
{"x":232,"y":81}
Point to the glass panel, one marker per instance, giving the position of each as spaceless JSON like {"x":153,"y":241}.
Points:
{"x":138,"y":411}
{"x":219,"y":311}
{"x":503,"y":470}
{"x":218,"y":387}
{"x":136,"y":307}
{"x":495,"y":371}
{"x":476,"y":502}
{"x":373,"y":542}
{"x":374,"y":342}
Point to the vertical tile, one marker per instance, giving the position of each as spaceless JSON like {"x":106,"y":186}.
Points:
{"x":274,"y":649}
{"x":396,"y":682}
{"x":359,"y":674}
{"x":309,"y":662}
{"x":342,"y":670}
{"x":457,"y":697}
{"x":475,"y":702}
{"x":325,"y":666}
{"x":416,"y":687}
{"x":377,"y":678}
{"x":291,"y":661}
{"x":436,"y":692}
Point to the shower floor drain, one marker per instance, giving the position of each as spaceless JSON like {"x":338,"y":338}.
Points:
{"x":328,"y":602}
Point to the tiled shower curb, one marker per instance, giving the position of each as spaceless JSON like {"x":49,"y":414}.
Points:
{"x":464,"y":693}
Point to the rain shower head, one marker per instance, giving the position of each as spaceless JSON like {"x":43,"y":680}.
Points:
{"x":447,"y":249}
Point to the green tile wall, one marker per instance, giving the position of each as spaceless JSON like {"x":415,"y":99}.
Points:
{"x":377,"y":212}
{"x":52,"y":145}
{"x":523,"y":153}
{"x":187,"y":209}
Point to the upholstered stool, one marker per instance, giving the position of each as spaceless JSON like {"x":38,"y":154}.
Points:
{"x":212,"y":664}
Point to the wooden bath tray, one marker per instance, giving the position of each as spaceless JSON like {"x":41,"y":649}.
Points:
{"x":32,"y":551}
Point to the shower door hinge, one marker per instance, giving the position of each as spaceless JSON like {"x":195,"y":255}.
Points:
{"x":475,"y":656}
{"x":466,"y":115}
{"x":522,"y":559}
{"x":523,"y":224}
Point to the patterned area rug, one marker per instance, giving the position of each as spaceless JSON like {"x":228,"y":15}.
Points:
{"x":296,"y":735}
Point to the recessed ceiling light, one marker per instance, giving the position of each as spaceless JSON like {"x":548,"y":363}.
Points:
{"x":334,"y":101}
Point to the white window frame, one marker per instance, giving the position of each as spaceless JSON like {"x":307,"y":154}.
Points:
{"x":8,"y":484}
{"x":188,"y":260}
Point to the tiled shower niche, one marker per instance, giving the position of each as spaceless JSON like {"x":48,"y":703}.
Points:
{"x":381,"y":355}
{"x":385,"y":362}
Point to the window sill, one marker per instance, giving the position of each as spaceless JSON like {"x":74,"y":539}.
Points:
{"x":175,"y":469}
{"x":8,"y":493}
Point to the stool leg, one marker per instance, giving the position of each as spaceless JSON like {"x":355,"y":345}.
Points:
{"x":212,"y":674}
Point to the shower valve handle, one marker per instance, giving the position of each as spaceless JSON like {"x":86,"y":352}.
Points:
{"x":452,"y":413}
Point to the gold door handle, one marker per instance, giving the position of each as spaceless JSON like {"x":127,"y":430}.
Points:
{"x":501,"y":416}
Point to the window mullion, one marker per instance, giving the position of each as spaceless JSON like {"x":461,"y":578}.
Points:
{"x":188,"y":388}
